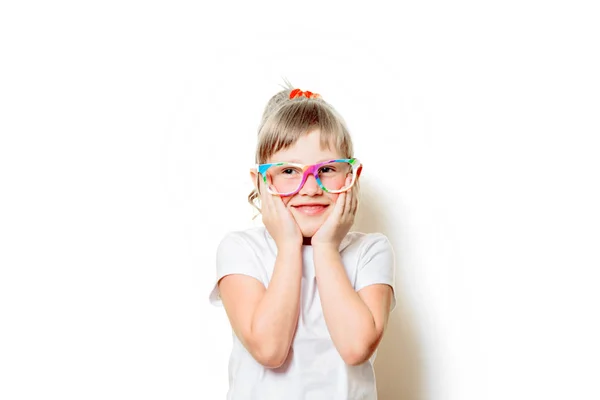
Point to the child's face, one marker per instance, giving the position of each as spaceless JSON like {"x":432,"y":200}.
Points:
{"x":307,"y":150}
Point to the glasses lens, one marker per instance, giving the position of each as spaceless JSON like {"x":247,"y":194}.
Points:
{"x":333,"y":175}
{"x":285,"y":178}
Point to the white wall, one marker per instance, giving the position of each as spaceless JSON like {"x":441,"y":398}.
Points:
{"x":127,"y":129}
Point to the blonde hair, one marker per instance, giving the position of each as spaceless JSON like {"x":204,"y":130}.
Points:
{"x":285,"y":120}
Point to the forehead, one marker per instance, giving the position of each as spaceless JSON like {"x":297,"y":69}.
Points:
{"x":307,"y":150}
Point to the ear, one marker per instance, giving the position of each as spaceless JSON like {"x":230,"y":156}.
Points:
{"x":358,"y":172}
{"x":255,"y":177}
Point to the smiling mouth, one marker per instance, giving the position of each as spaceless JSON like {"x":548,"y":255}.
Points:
{"x":312,"y":209}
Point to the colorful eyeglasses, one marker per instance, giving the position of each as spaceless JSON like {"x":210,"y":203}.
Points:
{"x":286,"y":179}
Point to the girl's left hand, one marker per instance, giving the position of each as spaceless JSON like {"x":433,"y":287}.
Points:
{"x":339,"y":222}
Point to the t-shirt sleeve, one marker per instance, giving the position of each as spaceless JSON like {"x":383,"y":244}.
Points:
{"x":377,"y":265}
{"x":234,"y":256}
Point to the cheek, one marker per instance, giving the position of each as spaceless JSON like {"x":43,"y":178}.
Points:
{"x":286,"y":200}
{"x":333,"y":197}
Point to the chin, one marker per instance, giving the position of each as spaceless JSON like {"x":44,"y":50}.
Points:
{"x":309,"y":231}
{"x":309,"y":225}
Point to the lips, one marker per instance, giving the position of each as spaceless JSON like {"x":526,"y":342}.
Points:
{"x":311,"y":209}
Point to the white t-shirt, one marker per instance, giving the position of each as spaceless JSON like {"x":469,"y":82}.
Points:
{"x":314,"y":369}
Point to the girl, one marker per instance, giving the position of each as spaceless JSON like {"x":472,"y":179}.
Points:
{"x":308,"y":301}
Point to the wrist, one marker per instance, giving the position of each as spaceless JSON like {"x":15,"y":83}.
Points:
{"x":283,"y":241}
{"x":289,"y":248}
{"x":327,"y":242}
{"x":325,"y":248}
{"x":325,"y":257}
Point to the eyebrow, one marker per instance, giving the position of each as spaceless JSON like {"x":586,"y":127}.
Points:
{"x":320,"y":161}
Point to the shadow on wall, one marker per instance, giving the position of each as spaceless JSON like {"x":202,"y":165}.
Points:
{"x":398,"y":367}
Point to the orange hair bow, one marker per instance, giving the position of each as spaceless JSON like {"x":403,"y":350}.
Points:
{"x":297,"y":93}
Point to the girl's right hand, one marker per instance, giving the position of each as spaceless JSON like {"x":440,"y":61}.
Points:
{"x":279,"y":221}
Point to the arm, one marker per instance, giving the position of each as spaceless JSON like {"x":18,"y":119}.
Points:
{"x":356,"y":321}
{"x":265,"y":319}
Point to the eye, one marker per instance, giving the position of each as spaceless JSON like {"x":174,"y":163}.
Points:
{"x":288,"y":171}
{"x":326,"y":169}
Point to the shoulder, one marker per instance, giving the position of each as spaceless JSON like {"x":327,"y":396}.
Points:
{"x":375,"y":261}
{"x":367,"y":243}
{"x":240,"y":252}
{"x":253,"y":239}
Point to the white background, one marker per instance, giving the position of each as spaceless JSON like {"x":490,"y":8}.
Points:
{"x":127,"y":130}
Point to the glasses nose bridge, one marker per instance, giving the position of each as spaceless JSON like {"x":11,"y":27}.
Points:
{"x":310,"y":170}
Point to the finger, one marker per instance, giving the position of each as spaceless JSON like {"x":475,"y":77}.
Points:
{"x":282,"y":208}
{"x":261,"y":191}
{"x":278,"y":206}
{"x":265,"y":198}
{"x":277,"y":203}
{"x":347,"y":201}
{"x":349,"y":198}
{"x":338,"y":206}
{"x":354,"y":200}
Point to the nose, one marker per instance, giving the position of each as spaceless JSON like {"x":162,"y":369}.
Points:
{"x":310,"y":187}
